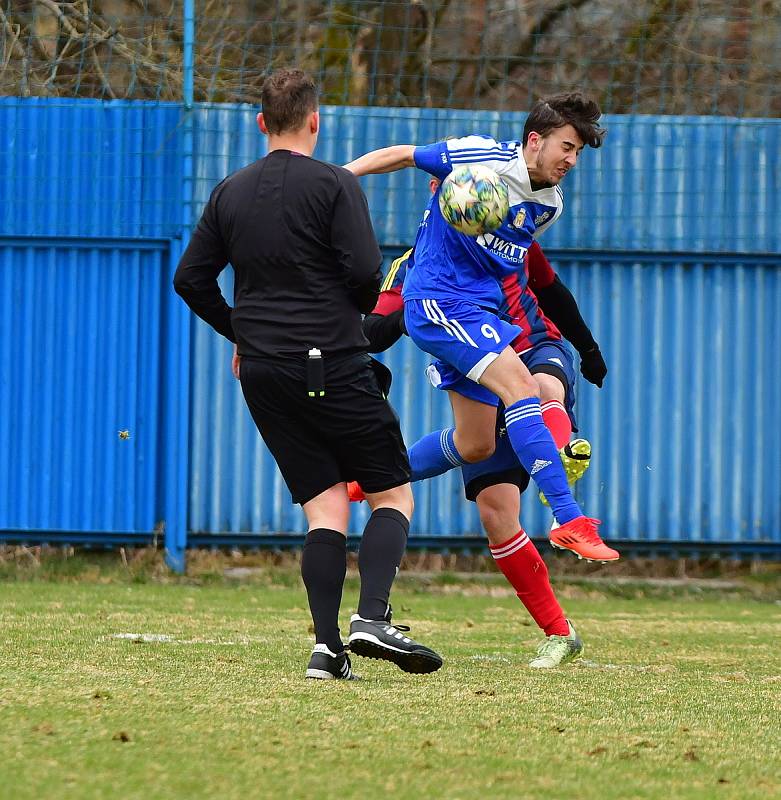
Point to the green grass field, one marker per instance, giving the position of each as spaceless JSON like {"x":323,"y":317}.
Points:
{"x":678,"y":696}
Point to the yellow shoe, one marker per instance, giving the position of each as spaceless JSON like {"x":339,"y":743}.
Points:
{"x":575,"y":457}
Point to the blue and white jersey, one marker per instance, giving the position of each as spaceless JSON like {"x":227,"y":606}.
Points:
{"x":451,"y":264}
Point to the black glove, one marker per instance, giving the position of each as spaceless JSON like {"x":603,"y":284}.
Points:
{"x":592,"y":366}
{"x":402,"y":324}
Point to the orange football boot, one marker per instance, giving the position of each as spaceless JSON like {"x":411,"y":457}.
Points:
{"x":354,"y":492}
{"x":580,"y":536}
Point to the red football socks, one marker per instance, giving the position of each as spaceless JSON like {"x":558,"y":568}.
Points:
{"x":557,"y":421}
{"x":524,"y":568}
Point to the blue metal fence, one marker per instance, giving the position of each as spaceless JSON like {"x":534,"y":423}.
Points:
{"x":670,"y":241}
{"x":90,"y":169}
{"x":89,"y":389}
{"x":660,"y":184}
{"x":678,"y":454}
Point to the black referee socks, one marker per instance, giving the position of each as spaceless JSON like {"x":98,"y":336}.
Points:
{"x":382,"y":547}
{"x":323,"y":567}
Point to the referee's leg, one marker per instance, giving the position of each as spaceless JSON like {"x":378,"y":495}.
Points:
{"x":324,"y":562}
{"x":372,"y":633}
{"x":382,"y":548}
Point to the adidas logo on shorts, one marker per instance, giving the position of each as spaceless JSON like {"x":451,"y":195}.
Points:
{"x":538,"y":465}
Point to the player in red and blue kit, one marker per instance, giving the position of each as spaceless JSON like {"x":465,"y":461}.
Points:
{"x":453,"y":294}
{"x":539,"y":344}
{"x":497,"y":483}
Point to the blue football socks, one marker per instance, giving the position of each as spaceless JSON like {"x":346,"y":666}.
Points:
{"x":534,"y":446}
{"x":434,"y":454}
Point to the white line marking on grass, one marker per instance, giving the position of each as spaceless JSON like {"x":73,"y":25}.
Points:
{"x":144,"y":637}
{"x":584,"y":662}
{"x":164,"y":638}
{"x":494,"y":658}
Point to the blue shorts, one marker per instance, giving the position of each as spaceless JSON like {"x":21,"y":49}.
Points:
{"x":463,"y":337}
{"x":553,"y":358}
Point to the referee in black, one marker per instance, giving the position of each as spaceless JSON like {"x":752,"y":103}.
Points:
{"x":306,"y":263}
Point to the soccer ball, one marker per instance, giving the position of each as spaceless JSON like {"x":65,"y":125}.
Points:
{"x":474,"y":199}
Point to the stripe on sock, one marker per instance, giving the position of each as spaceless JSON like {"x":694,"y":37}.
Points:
{"x":510,"y":546}
{"x":450,"y":452}
{"x":511,"y":419}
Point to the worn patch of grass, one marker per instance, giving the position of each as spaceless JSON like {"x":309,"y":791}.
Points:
{"x":673,"y":699}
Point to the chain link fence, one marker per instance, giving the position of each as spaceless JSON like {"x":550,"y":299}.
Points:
{"x":700,"y":57}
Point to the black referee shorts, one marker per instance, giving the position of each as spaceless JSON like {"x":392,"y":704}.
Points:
{"x":351,"y":433}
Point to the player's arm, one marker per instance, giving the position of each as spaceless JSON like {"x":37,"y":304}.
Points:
{"x":196,"y":275}
{"x":355,"y":245}
{"x":385,"y":325}
{"x":560,"y":306}
{"x":438,"y":159}
{"x":386,"y":159}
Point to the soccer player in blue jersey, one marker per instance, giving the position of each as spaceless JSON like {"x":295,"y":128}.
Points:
{"x":453,"y":292}
{"x":547,"y":309}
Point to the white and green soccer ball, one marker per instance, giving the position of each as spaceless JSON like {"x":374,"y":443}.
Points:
{"x":474,"y":199}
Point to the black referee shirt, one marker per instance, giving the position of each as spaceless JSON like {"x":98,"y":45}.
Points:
{"x":298,"y":234}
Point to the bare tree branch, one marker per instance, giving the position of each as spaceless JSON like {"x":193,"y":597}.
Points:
{"x":651,"y":56}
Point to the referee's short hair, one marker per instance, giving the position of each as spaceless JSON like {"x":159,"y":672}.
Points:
{"x":287,"y":97}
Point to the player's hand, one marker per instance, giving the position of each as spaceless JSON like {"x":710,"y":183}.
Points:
{"x":235,"y":362}
{"x":402,"y":324}
{"x":593,"y":367}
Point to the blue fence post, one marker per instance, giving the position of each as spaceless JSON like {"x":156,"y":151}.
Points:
{"x":188,"y":54}
{"x":177,"y":462}
{"x":175,"y":438}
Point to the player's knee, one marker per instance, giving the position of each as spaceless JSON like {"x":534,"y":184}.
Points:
{"x":491,"y":520}
{"x":400,"y":498}
{"x":406,"y":503}
{"x":499,"y":525}
{"x":550,"y":388}
{"x":472,"y":452}
{"x":522,"y":387}
{"x":330,"y":509}
{"x":509,"y":378}
{"x":526,"y":387}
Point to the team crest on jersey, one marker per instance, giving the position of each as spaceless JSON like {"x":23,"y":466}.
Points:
{"x":520,"y":218}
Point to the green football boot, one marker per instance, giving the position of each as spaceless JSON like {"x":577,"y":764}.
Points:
{"x":557,"y":650}
{"x":575,"y":457}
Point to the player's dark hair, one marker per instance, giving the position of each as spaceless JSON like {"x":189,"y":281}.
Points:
{"x":287,"y":97}
{"x":571,"y":108}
